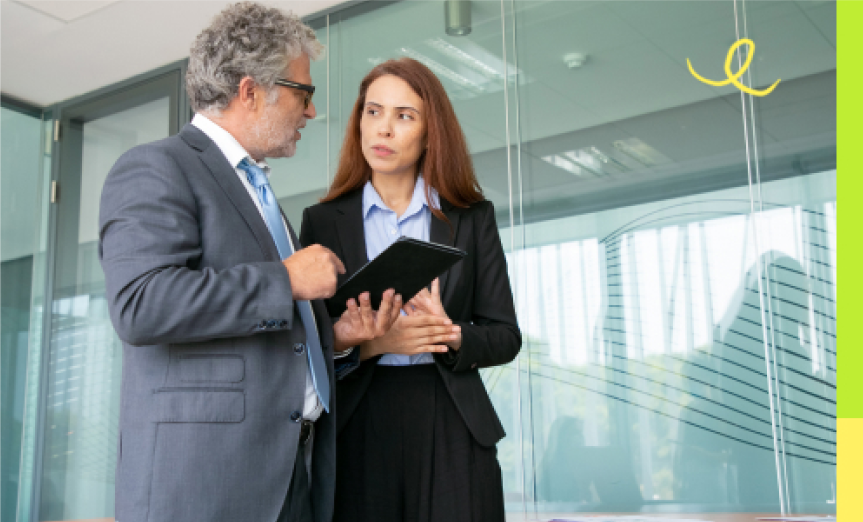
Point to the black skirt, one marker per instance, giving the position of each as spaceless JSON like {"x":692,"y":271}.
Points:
{"x":406,"y":455}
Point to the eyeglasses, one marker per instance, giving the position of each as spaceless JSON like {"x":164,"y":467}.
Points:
{"x":310,"y":90}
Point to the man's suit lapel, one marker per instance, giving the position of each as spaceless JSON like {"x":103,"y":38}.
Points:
{"x":440,"y":233}
{"x":227,"y":179}
{"x":351,"y":232}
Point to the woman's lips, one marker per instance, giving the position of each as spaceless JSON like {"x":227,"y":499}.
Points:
{"x":382,"y":151}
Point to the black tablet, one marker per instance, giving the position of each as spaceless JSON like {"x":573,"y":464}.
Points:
{"x":407,"y":266}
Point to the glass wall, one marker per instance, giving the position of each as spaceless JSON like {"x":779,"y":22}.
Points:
{"x":792,"y":136}
{"x":22,"y":158}
{"x":672,"y":246}
{"x":672,"y":277}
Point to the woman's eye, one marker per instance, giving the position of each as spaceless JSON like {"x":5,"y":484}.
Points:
{"x":371,"y":112}
{"x":406,"y":116}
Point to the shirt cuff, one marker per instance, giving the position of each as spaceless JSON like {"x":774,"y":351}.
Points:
{"x":346,"y":362}
{"x":342,"y":355}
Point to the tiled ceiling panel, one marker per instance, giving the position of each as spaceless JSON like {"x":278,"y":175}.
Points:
{"x":66,"y":11}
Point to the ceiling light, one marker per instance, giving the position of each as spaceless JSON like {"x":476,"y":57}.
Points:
{"x":641,"y":152}
{"x":564,"y":164}
{"x":443,"y":70}
{"x":457,"y":15}
{"x":574,"y":60}
{"x":457,"y":54}
{"x":587,"y":161}
{"x":606,"y":159}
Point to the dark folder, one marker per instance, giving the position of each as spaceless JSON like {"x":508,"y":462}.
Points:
{"x":407,"y":266}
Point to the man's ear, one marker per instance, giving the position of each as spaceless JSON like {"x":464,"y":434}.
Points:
{"x":248,"y":94}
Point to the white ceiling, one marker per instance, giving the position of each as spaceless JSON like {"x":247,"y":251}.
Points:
{"x":51,"y":51}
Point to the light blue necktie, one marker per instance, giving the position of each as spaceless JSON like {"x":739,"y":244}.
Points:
{"x":273,"y":217}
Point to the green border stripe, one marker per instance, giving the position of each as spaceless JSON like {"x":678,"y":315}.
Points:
{"x":849,"y":18}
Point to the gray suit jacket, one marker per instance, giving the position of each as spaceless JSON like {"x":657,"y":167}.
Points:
{"x":212,"y":370}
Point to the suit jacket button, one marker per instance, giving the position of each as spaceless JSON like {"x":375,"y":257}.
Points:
{"x":296,"y":416}
{"x":283,"y":323}
{"x":299,"y":348}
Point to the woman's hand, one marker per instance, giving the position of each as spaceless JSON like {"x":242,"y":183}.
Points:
{"x":428,"y":303}
{"x":360,"y":323}
{"x":412,"y":335}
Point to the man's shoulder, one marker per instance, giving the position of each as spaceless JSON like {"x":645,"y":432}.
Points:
{"x":177,"y":144}
{"x":171,"y":153}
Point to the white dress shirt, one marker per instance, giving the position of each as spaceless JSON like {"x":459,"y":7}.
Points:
{"x":235,"y":153}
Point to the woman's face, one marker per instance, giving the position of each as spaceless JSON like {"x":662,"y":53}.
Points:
{"x":392,"y":127}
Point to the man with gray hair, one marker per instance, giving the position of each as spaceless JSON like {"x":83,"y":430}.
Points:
{"x":227,"y":393}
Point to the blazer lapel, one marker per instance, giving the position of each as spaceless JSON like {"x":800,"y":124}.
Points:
{"x":440,"y":233}
{"x":227,"y":179}
{"x":351,"y":233}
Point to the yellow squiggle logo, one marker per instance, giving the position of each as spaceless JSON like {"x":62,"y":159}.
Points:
{"x":732,"y":78}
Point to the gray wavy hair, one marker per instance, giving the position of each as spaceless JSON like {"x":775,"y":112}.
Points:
{"x":246,"y":39}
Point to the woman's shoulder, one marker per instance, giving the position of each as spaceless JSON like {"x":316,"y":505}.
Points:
{"x":479,"y":209}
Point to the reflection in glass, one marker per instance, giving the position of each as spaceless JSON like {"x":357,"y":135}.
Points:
{"x":650,"y":385}
{"x":793,"y":135}
{"x":648,"y":290}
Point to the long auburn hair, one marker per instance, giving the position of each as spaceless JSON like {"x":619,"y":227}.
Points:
{"x":446,"y":165}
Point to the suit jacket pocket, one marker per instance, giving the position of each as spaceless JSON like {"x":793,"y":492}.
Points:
{"x":199,"y":405}
{"x":208,"y":367}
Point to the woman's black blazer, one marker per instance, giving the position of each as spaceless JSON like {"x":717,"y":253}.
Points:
{"x":475,"y":293}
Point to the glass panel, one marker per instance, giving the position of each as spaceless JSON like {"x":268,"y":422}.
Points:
{"x":477,"y":76}
{"x":648,"y":388}
{"x":27,"y":481}
{"x":21,"y":180}
{"x":84,"y":358}
{"x":793,"y":133}
{"x":300,"y":181}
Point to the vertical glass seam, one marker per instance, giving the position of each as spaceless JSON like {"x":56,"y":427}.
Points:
{"x":754,"y":230}
{"x":520,"y":430}
{"x":35,"y":341}
{"x":771,"y":327}
{"x":520,"y":189}
{"x":45,"y":339}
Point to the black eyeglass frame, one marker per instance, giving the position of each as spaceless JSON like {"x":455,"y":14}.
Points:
{"x":309,"y":89}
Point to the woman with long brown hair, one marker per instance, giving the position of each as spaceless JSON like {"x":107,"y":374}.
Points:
{"x":417,"y":432}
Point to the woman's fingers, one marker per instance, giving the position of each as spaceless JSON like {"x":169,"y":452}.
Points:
{"x":431,"y":335}
{"x":386,"y":306}
{"x":353,"y":312}
{"x":396,"y":310}
{"x":366,"y":311}
{"x":426,"y":320}
{"x":388,"y":312}
{"x":432,"y":348}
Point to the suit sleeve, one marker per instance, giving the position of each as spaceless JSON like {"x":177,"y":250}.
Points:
{"x":149,"y":243}
{"x":492,"y":337}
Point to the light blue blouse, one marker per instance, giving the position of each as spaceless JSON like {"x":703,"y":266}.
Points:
{"x":383,"y":227}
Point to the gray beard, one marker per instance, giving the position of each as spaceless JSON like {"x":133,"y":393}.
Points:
{"x":270,"y":137}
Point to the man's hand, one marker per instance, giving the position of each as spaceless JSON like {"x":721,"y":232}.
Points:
{"x":360,"y":323}
{"x":313,"y":272}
